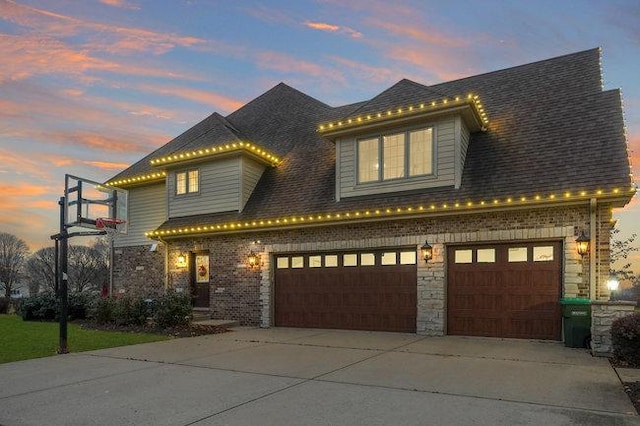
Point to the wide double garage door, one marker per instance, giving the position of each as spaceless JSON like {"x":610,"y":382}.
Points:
{"x":505,"y":290}
{"x":496,"y":290}
{"x":370,"y":290}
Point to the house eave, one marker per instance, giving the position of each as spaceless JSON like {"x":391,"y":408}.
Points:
{"x":614,"y":197}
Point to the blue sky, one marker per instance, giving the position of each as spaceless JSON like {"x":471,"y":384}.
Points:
{"x":88,"y":87}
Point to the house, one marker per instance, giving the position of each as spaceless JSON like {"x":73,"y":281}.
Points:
{"x":291,"y":212}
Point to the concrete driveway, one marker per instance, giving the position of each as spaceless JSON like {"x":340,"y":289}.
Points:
{"x":285,"y":376}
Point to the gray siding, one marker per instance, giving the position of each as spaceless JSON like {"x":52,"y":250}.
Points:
{"x":147,"y":211}
{"x":219,"y":189}
{"x":250,"y":175}
{"x":464,"y":145}
{"x":445,"y":136}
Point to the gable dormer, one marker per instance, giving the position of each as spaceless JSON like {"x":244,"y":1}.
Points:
{"x":215,"y":172}
{"x":385,"y":147}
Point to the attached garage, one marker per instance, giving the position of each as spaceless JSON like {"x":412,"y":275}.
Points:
{"x":368,"y":290}
{"x":505,"y":290}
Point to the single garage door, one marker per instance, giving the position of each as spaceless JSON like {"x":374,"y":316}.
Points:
{"x":505,"y":290}
{"x":369,"y":290}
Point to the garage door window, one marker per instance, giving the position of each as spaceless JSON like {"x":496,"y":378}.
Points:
{"x":408,"y":258}
{"x":543,"y":254}
{"x":350,"y":260}
{"x":297,"y":262}
{"x":315,"y":261}
{"x":464,"y":256}
{"x":486,"y":255}
{"x":331,"y":261}
{"x":388,"y":258}
{"x":282,"y":263}
{"x":367,"y":259}
{"x":518,"y":254}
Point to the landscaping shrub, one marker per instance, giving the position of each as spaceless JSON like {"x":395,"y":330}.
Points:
{"x":625,"y":337}
{"x":173,"y":309}
{"x":102,"y":310}
{"x":41,"y":307}
{"x":79,"y":305}
{"x":130,"y":311}
{"x":4,"y":305}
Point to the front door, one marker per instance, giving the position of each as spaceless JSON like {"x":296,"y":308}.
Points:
{"x":200,"y":276}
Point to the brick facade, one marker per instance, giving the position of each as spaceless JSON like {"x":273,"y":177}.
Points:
{"x":245,"y":294}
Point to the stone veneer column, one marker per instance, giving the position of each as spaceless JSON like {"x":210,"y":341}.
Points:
{"x":603,"y":314}
{"x":431,"y":294}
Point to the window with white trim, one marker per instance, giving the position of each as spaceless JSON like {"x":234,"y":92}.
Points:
{"x":187,"y":182}
{"x":398,"y":155}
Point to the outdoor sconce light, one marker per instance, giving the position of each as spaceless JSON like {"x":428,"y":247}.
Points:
{"x":427,"y":251}
{"x":583,"y":244}
{"x":181,"y":262}
{"x":253,"y":260}
{"x":612,"y":283}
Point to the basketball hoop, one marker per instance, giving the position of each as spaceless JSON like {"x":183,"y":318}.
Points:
{"x":110,"y":226}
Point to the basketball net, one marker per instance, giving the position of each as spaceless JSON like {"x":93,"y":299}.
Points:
{"x":109,"y":226}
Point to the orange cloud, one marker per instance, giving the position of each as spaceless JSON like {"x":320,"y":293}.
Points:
{"x":323,"y":26}
{"x":218,"y":102}
{"x":22,"y":189}
{"x":367,"y":72}
{"x":418,"y":33}
{"x":134,"y":39}
{"x":107,"y":165}
{"x":284,"y":63}
{"x":119,"y":3}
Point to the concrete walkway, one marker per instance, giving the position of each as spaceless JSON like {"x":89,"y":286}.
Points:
{"x":286,"y":376}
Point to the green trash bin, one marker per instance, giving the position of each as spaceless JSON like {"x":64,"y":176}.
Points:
{"x":576,"y":313}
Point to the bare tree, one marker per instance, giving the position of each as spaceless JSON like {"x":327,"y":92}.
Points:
{"x":620,"y":251}
{"x":13,"y":252}
{"x":40,"y":270}
{"x":87,"y":269}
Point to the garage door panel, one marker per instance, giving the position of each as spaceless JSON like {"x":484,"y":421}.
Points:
{"x":362,"y":297}
{"x":505,"y":297}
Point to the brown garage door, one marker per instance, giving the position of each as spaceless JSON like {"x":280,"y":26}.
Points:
{"x":505,"y":290}
{"x":373,"y":290}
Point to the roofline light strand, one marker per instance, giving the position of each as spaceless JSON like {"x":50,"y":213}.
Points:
{"x":442,"y":104}
{"x":387,"y":212}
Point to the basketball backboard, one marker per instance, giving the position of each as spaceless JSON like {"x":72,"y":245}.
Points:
{"x":86,"y":201}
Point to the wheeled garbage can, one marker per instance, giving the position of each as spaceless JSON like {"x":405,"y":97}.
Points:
{"x":576,"y":316}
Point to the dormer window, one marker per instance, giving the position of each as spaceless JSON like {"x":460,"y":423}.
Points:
{"x":187,"y":182}
{"x":402,"y":155}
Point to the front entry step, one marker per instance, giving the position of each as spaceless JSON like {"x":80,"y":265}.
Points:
{"x":201,"y":315}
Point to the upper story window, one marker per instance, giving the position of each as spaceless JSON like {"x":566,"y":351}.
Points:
{"x":395,"y":155}
{"x":187,"y":182}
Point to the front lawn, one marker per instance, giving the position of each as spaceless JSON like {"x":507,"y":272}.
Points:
{"x":21,"y":340}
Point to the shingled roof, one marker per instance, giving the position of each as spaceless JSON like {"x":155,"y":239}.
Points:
{"x":552,"y":130}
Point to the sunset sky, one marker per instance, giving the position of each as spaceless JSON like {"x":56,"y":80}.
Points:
{"x":88,"y":87}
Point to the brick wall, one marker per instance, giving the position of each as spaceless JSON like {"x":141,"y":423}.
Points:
{"x":244,"y":294}
{"x":139,"y":271}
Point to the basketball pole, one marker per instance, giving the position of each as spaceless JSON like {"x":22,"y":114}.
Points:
{"x":63,"y":279}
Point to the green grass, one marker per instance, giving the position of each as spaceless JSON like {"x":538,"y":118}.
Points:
{"x":21,"y":340}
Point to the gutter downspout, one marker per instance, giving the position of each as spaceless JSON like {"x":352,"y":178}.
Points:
{"x":593,"y":294}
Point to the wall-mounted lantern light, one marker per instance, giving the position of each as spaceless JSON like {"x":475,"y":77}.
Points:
{"x":426,"y":251}
{"x":612,"y":283}
{"x":253,"y":260}
{"x":582,"y":243}
{"x":181,"y":262}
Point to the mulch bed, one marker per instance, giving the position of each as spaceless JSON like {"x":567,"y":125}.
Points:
{"x":631,"y":388}
{"x":190,"y":330}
